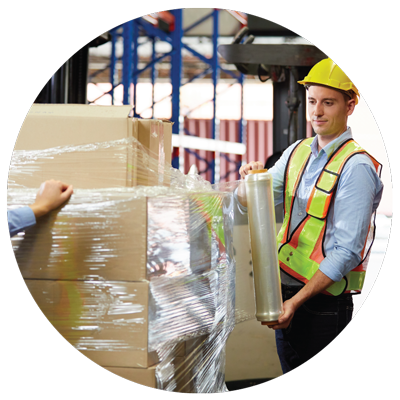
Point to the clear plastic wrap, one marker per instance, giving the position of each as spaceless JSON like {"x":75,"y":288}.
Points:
{"x":261,"y":213}
{"x":137,"y":270}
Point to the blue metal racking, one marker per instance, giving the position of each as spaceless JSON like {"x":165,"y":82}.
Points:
{"x":130,"y":31}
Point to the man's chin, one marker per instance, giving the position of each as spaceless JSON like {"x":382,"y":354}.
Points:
{"x":318,"y":130}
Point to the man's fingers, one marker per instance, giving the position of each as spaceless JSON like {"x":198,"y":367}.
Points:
{"x":253,"y":165}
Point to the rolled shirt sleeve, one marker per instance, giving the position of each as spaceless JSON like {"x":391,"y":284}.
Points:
{"x":20,"y":219}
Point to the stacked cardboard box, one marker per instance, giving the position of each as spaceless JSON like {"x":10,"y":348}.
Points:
{"x":118,"y":275}
{"x":90,"y":147}
{"x":134,"y":280}
{"x":184,"y":360}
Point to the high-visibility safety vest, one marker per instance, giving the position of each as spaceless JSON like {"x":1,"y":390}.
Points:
{"x":301,"y":252}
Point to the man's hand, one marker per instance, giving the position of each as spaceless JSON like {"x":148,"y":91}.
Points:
{"x":51,"y":195}
{"x":289,"y":308}
{"x":244,"y":169}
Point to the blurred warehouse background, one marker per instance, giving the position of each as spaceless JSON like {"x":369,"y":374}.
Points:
{"x":167,"y":65}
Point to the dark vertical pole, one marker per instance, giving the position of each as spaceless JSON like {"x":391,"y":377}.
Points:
{"x":153,"y":73}
{"x":215,"y":167}
{"x":176,"y":77}
{"x":242,"y":122}
{"x":78,"y":76}
{"x":135,"y":66}
{"x":281,"y":112}
{"x":113,"y":64}
{"x":127,"y":62}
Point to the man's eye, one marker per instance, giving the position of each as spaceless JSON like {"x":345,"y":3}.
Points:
{"x":328,"y":103}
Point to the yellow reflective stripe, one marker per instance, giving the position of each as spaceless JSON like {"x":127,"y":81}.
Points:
{"x":355,"y":280}
{"x":336,"y":163}
{"x":309,"y":235}
{"x":327,"y":181}
{"x":281,"y":232}
{"x":337,"y":288}
{"x":298,"y":262}
{"x":296,"y":164}
{"x":317,"y":206}
{"x":296,"y":254}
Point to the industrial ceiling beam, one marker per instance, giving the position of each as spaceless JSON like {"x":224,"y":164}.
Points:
{"x":298,"y":55}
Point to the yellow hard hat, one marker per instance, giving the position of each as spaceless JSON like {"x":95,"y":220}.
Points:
{"x":327,"y":73}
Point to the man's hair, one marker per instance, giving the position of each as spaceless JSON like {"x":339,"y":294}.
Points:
{"x":347,"y":95}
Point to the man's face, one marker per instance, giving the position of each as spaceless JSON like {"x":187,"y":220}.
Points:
{"x":328,"y":111}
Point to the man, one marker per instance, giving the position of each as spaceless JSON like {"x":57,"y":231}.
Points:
{"x":51,"y":195}
{"x":330,"y":188}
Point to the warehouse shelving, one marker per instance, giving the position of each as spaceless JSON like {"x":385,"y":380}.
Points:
{"x":130,"y":32}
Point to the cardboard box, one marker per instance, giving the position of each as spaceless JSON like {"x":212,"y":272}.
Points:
{"x":106,"y":321}
{"x":88,"y":267}
{"x":145,"y":377}
{"x":181,"y":375}
{"x":111,"y":235}
{"x":99,"y":236}
{"x":109,"y":322}
{"x":52,"y":125}
{"x":166,"y":149}
{"x":167,"y":133}
{"x":149,"y":137}
{"x":83,"y":145}
{"x":68,"y":126}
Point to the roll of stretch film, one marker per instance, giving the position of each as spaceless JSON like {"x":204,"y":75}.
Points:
{"x":261,"y":214}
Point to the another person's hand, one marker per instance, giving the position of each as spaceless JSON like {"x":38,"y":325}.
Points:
{"x":51,"y":195}
{"x":244,"y":169}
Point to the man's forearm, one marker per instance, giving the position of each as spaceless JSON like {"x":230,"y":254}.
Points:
{"x":317,"y":284}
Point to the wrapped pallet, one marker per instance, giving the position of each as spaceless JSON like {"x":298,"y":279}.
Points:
{"x":126,"y":277}
{"x":139,"y":279}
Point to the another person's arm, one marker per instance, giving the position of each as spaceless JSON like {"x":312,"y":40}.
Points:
{"x":50,"y":196}
{"x":20,"y":219}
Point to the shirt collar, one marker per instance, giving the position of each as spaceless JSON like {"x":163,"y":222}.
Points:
{"x":332,"y":146}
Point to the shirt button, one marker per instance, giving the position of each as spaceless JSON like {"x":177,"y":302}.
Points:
{"x":288,"y":259}
{"x":300,"y":213}
{"x":291,"y":253}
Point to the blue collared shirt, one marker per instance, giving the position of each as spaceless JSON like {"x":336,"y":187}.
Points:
{"x":20,"y":219}
{"x":358,"y":194}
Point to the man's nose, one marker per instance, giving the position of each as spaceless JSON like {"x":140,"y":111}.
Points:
{"x":318,"y":109}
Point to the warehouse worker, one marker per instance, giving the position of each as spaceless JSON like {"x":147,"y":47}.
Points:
{"x":51,"y":195}
{"x":330,"y":188}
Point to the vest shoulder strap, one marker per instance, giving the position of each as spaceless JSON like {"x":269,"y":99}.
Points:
{"x":321,"y":196}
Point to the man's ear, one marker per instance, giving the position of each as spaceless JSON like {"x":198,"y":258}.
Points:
{"x":351,"y":104}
